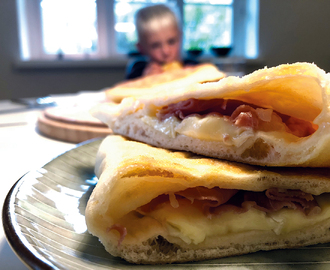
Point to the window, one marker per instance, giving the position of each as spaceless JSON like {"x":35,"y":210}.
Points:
{"x":98,"y":29}
{"x":207,"y":24}
{"x":66,"y":31}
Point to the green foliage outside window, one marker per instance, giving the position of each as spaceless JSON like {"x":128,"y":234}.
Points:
{"x":206,"y":26}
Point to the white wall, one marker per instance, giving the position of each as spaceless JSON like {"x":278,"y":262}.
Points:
{"x":295,"y":30}
{"x":19,"y":82}
{"x":290,"y":31}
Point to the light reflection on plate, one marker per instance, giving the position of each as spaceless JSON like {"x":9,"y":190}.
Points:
{"x":44,"y":222}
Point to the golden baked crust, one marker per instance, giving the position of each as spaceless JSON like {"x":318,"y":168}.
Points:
{"x":174,"y":77}
{"x":299,"y":90}
{"x":131,"y":174}
{"x":172,"y":66}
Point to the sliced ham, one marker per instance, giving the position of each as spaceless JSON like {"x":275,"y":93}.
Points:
{"x":295,"y":199}
{"x":299,"y":127}
{"x":216,"y":200}
{"x":206,"y":198}
{"x":239,"y":114}
{"x":272,"y":200}
{"x":215,"y":196}
{"x":192,"y":106}
{"x":245,"y":116}
{"x":122,"y":232}
{"x":156,"y":202}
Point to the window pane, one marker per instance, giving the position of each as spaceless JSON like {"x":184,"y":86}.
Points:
{"x":124,"y":25}
{"x":126,"y":36}
{"x":212,"y":2}
{"x":69,"y":26}
{"x":207,"y":25}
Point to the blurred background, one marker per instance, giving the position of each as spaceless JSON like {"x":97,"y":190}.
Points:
{"x":66,"y":46}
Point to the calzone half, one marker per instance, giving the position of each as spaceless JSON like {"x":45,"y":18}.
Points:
{"x":174,"y":76}
{"x":276,"y":116}
{"x":153,"y":205}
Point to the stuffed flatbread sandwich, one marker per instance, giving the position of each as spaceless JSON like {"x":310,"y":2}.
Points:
{"x":153,"y":205}
{"x":274,"y":117}
{"x":174,"y":77}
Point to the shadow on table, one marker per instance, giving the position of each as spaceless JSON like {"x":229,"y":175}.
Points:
{"x":8,"y":258}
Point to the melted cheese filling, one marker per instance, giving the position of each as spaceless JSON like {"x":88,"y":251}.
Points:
{"x":191,"y":226}
{"x":212,"y":128}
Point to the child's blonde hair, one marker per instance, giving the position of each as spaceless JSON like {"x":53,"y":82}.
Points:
{"x":154,"y":17}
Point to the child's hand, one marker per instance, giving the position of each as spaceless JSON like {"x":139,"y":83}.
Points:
{"x":153,"y":68}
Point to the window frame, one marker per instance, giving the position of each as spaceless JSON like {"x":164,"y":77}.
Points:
{"x":30,"y":31}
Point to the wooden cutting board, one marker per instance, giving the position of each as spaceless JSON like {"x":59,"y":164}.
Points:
{"x":71,"y":124}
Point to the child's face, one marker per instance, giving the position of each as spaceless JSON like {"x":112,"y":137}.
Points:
{"x":162,"y":46}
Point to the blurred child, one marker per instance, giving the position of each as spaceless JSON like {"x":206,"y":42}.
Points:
{"x":159,"y":39}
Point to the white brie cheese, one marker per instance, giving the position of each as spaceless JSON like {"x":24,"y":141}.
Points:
{"x":191,"y":226}
{"x":212,"y":128}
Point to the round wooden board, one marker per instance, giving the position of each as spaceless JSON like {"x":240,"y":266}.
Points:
{"x":71,"y":124}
